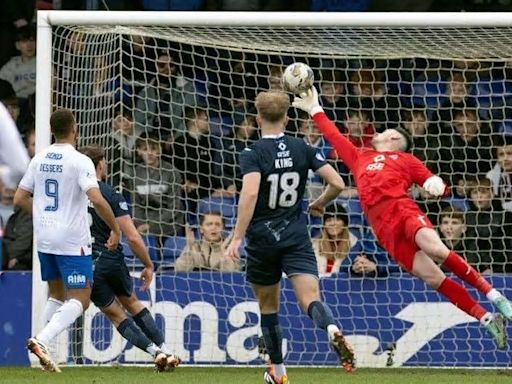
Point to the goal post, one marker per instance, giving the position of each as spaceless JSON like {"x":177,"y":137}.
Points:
{"x":132,"y":75}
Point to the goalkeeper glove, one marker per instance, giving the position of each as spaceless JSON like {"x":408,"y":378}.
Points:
{"x":308,"y":102}
{"x":435,"y":186}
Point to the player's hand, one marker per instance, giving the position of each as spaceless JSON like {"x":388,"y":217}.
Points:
{"x":232,"y":250}
{"x":113,"y":241}
{"x":189,"y":236}
{"x":435,"y":186}
{"x":143,"y":229}
{"x":308,"y":102}
{"x":316,"y":209}
{"x":146,"y":276}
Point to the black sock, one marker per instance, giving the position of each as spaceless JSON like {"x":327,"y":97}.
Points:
{"x":273,"y":337}
{"x":321,"y":314}
{"x":148,"y":325}
{"x":129,"y":330}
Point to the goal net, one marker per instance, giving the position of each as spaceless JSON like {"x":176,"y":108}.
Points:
{"x":174,"y":105}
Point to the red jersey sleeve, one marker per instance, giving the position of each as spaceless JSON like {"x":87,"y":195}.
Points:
{"x":343,"y":147}
{"x":418,"y":171}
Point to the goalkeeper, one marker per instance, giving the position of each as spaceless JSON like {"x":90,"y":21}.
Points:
{"x":383,"y":176}
{"x":112,"y":290}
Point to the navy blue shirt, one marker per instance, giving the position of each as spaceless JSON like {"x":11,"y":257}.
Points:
{"x":284,"y":163}
{"x":100,"y":231}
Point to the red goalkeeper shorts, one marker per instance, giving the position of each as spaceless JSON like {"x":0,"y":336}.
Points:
{"x":395,"y":228}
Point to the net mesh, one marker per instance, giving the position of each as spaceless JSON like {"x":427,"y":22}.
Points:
{"x":173,"y":107}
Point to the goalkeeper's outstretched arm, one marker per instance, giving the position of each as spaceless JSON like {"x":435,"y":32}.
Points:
{"x":344,"y":148}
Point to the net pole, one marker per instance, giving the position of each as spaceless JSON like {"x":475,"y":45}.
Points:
{"x":43,"y":139}
{"x":281,"y":19}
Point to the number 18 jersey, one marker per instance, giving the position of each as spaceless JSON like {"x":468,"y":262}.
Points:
{"x":283,"y":162}
{"x":59,"y":177}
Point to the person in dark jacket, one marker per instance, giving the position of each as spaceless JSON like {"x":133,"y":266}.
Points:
{"x":489,"y":232}
{"x":17,"y":241}
{"x":466,"y":150}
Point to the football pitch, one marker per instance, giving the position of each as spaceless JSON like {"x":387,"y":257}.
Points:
{"x":186,"y":375}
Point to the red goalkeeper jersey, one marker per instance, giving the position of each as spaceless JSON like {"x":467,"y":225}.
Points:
{"x":381,"y":177}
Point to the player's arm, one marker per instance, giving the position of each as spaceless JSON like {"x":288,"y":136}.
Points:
{"x":12,"y":151}
{"x":343,"y":147}
{"x":421,"y":175}
{"x":23,"y":200}
{"x":104,"y":211}
{"x":136,"y":244}
{"x":246,"y":204}
{"x":89,"y":185}
{"x":23,"y":195}
{"x":335,"y":185}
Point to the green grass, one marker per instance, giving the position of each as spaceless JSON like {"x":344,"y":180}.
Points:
{"x":188,"y":375}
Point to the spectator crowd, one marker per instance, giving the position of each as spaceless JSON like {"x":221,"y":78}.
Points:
{"x":175,"y":118}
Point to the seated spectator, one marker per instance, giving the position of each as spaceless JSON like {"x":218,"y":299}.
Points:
{"x":156,"y":185}
{"x":314,"y":138}
{"x":227,"y":168}
{"x":30,"y":142}
{"x":466,"y":149}
{"x":489,"y":230}
{"x":274,"y":78}
{"x":335,"y":241}
{"x":208,"y":252}
{"x":20,"y":71}
{"x":501,"y":174}
{"x":424,"y":143}
{"x":193,"y":155}
{"x":339,"y":250}
{"x":120,"y":144}
{"x":333,"y":95}
{"x":160,"y":104}
{"x":358,"y":128}
{"x":17,"y":241}
{"x":9,"y":100}
{"x":457,"y":93}
{"x":370,"y":93}
{"x":452,"y":229}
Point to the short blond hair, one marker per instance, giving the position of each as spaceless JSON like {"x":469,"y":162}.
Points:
{"x":272,"y":106}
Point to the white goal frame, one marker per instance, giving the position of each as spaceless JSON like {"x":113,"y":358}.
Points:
{"x":48,"y":19}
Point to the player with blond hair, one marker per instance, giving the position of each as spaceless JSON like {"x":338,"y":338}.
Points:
{"x":383,"y":175}
{"x":275,"y":171}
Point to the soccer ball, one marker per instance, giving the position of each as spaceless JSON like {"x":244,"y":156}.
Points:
{"x":298,"y":78}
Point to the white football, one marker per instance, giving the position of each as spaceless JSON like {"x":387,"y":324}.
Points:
{"x":298,"y":78}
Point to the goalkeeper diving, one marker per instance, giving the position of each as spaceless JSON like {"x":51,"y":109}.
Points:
{"x":383,"y":175}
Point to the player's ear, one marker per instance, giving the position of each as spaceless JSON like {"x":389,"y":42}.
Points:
{"x":286,"y":120}
{"x":258,"y":120}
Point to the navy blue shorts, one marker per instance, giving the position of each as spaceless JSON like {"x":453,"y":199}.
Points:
{"x":265,"y":266}
{"x":75,"y":271}
{"x":111,"y":278}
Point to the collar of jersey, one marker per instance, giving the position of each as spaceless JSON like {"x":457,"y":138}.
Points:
{"x":273,"y":136}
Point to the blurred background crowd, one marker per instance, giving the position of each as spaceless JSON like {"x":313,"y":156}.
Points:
{"x":174,"y":120}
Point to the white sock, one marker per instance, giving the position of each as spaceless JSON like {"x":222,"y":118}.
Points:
{"x":486,"y":319}
{"x":331,"y":330}
{"x":51,"y":306}
{"x":152,"y":349}
{"x":493,"y":295}
{"x":280,"y":370}
{"x":61,"y":319}
{"x":165,"y":349}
